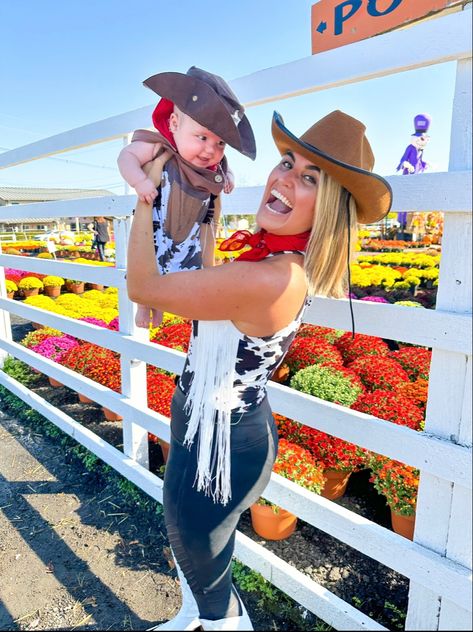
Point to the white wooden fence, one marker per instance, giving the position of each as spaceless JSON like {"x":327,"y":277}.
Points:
{"x":438,"y":561}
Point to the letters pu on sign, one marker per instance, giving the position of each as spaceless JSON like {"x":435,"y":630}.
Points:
{"x":339,"y":22}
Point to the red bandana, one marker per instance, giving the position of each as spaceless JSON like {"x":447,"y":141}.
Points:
{"x":263,"y":243}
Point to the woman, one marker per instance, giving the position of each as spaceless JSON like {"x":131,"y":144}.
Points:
{"x":223,"y":438}
{"x":101,"y":235}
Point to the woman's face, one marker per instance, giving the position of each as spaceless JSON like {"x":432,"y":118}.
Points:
{"x":288,"y":203}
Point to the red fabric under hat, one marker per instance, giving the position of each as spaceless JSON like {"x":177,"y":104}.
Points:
{"x":263,"y":243}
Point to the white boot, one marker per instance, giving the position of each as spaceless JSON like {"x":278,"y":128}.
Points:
{"x":188,"y":616}
{"x":243,"y":622}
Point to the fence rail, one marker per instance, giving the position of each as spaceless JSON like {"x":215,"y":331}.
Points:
{"x":438,"y":562}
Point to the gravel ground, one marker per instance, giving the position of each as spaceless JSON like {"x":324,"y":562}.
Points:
{"x":74,"y":556}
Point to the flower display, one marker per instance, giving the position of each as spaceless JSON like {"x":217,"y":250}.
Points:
{"x":10,"y":286}
{"x":307,"y":330}
{"x":361,"y":345}
{"x":327,"y":383}
{"x":397,"y":482}
{"x":30,"y":283}
{"x":375,"y":299}
{"x":36,"y":337}
{"x":160,"y":387}
{"x":391,"y":406}
{"x":53,"y":281}
{"x":409,"y":303}
{"x":417,"y":391}
{"x":379,"y":372}
{"x":114,"y":324}
{"x":414,"y":360}
{"x":97,"y":363}
{"x":54,"y":347}
{"x":174,"y":336}
{"x":328,"y":452}
{"x":297,"y":464}
{"x":306,"y":351}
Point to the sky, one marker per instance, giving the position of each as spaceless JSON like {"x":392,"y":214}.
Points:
{"x":67,"y":64}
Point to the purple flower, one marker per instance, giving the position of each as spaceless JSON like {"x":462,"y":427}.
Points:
{"x":375,"y":299}
{"x":94,"y":321}
{"x":55,"y":347}
{"x":113,"y":324}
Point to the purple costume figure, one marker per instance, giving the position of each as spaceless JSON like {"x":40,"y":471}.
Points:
{"x":411,"y":161}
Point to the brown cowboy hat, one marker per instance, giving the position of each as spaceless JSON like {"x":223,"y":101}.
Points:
{"x":207,"y":99}
{"x":338,"y":145}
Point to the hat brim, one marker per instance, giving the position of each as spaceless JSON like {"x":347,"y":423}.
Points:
{"x":181,"y":88}
{"x":372,"y":193}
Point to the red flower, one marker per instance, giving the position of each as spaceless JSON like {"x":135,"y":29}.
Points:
{"x":353,"y":348}
{"x":414,"y":360}
{"x":296,"y":464}
{"x":175,"y":336}
{"x":327,"y":451}
{"x":379,"y":372}
{"x":397,"y":482}
{"x":160,"y":388}
{"x":306,"y":351}
{"x":392,"y":407}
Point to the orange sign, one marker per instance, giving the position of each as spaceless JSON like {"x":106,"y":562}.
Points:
{"x":339,"y":22}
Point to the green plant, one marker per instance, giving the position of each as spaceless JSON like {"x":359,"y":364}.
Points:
{"x":327,"y":383}
{"x":20,"y":371}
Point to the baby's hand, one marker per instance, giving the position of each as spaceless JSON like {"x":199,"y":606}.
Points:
{"x":229,"y":182}
{"x":146,"y":191}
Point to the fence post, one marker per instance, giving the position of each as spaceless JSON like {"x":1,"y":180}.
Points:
{"x":5,"y":321}
{"x":443,"y":521}
{"x":133,"y":372}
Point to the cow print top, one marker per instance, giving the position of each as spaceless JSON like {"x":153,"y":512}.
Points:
{"x":257,"y":359}
{"x":172,"y":256}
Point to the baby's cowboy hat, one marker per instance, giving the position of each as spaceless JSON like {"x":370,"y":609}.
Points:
{"x":207,"y":99}
{"x":338,"y":145}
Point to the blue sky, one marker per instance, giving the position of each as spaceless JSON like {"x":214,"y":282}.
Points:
{"x":66,"y":64}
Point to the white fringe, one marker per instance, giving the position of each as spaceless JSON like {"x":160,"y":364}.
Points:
{"x":209,"y":403}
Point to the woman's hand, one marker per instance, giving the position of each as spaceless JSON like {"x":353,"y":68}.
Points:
{"x":154,"y":168}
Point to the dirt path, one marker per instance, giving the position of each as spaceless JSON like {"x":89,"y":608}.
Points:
{"x":71,"y":557}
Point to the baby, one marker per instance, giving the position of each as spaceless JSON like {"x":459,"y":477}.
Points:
{"x":196,"y":117}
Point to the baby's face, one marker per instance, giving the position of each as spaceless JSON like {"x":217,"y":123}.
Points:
{"x":196,"y":144}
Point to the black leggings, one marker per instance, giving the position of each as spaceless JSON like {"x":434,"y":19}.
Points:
{"x":201,"y":532}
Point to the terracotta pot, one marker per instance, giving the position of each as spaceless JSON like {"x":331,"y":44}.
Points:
{"x":403,"y":525}
{"x":10,"y":294}
{"x":281,"y":374}
{"x":110,"y":415}
{"x":76,"y":288}
{"x":165,"y":447}
{"x":335,"y":483}
{"x":34,"y":291}
{"x":95,"y":286}
{"x":270,"y":525}
{"x":84,"y":399}
{"x":52,"y":291}
{"x":54,"y":382}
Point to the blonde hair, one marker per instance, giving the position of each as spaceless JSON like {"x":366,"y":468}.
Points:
{"x":327,"y":251}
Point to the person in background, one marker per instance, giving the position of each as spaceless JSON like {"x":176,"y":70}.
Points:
{"x":101,"y":235}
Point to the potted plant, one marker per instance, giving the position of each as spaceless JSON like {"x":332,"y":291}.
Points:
{"x":30,"y":286}
{"x":337,"y":458}
{"x":398,"y":483}
{"x":54,"y":348}
{"x":75,"y":286}
{"x":11,"y":287}
{"x":52,"y":285}
{"x":160,"y":389}
{"x":379,"y":372}
{"x":296,"y":464}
